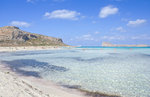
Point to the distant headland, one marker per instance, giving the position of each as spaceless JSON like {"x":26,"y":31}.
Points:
{"x":13,"y":36}
{"x":108,"y":44}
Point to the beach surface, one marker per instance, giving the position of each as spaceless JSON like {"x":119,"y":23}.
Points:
{"x":15,"y":85}
{"x":29,"y":48}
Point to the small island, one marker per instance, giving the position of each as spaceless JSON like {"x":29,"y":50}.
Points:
{"x":108,"y":44}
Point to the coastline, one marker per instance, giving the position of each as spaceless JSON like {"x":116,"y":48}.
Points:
{"x":39,"y":86}
{"x":31,"y":48}
{"x":12,"y":84}
{"x":22,"y":86}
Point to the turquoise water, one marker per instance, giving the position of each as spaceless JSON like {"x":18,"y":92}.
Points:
{"x":121,"y":71}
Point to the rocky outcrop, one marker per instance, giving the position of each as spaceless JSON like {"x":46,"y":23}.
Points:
{"x":107,"y":44}
{"x":13,"y":36}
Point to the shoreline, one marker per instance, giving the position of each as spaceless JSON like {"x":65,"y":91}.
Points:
{"x":31,"y":48}
{"x":46,"y":87}
{"x":36,"y":48}
{"x":31,"y":86}
{"x":41,"y":87}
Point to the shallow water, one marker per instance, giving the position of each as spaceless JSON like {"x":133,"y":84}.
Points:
{"x":121,"y":71}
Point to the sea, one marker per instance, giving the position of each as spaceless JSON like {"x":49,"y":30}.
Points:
{"x":123,"y":71}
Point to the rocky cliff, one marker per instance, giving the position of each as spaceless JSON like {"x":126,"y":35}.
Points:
{"x":13,"y":36}
{"x":107,"y":44}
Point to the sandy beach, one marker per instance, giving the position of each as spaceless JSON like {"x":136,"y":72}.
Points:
{"x":15,"y":85}
{"x":29,"y":48}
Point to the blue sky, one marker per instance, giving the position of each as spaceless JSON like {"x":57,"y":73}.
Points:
{"x":81,"y":22}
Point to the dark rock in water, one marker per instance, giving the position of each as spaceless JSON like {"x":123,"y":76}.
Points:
{"x":13,"y":36}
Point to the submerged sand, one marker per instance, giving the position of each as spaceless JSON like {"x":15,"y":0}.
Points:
{"x":13,"y":85}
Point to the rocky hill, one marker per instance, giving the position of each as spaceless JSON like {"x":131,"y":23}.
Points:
{"x":107,"y":44}
{"x":13,"y":36}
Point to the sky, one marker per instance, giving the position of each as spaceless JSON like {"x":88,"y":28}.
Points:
{"x":81,"y":22}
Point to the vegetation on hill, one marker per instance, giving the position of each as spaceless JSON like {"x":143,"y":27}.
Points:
{"x":13,"y":36}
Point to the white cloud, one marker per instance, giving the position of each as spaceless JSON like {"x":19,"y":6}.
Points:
{"x":120,"y":29}
{"x":108,"y":10}
{"x":136,"y":22}
{"x":62,"y":14}
{"x":20,"y":24}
